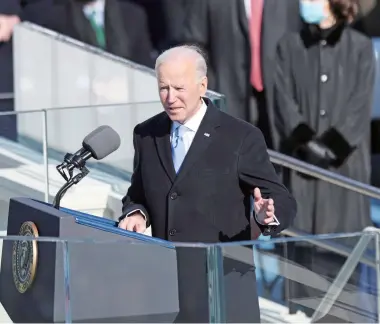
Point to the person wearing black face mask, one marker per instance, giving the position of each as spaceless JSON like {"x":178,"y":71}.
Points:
{"x":324,"y":82}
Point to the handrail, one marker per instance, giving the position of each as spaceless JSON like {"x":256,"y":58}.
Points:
{"x":328,"y":176}
{"x":345,"y":274}
{"x":6,"y":95}
{"x":54,"y":109}
{"x":330,"y":245}
{"x":322,"y":174}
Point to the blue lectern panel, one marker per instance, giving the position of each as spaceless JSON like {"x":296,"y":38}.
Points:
{"x":108,"y":225}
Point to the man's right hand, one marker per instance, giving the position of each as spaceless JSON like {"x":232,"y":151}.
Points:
{"x":134,"y":223}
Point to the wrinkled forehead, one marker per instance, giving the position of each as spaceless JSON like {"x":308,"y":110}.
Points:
{"x":176,"y":70}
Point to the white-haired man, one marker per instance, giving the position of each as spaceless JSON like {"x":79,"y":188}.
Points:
{"x":195,"y":170}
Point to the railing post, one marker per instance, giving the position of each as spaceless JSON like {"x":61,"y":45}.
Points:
{"x":215,"y":275}
{"x":45,"y":153}
{"x":377,"y":261}
{"x":6,"y":95}
{"x":66,"y":276}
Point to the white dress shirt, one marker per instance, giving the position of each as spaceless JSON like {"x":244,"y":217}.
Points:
{"x":192,"y":125}
{"x":247,"y":5}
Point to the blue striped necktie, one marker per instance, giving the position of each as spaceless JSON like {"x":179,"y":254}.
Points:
{"x":178,"y":147}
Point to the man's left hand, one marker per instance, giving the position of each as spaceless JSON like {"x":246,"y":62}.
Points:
{"x":7,"y":24}
{"x":264,"y":208}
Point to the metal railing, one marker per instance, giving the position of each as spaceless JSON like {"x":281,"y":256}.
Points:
{"x":322,"y":174}
{"x":346,"y":272}
{"x":6,"y":95}
{"x":355,"y":255}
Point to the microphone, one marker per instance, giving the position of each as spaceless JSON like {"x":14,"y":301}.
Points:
{"x":100,"y":143}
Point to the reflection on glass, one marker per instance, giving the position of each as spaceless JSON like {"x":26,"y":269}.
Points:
{"x":101,"y":191}
{"x":21,"y":161}
{"x":329,"y":279}
{"x":110,"y":276}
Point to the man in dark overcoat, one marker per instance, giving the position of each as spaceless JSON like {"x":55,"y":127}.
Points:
{"x":195,"y":171}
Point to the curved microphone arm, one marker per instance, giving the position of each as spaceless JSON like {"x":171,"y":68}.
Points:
{"x":72,"y":181}
{"x":98,"y":144}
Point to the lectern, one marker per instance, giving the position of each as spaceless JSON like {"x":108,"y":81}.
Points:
{"x":93,"y":272}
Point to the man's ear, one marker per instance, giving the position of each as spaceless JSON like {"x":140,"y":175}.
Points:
{"x":203,"y":85}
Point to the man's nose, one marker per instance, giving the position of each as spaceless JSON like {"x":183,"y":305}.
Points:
{"x":172,"y":96}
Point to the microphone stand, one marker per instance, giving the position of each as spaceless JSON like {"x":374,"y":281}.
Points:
{"x":65,"y":169}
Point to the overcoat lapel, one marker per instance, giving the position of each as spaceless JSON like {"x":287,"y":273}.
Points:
{"x":206,"y":134}
{"x":162,"y":140}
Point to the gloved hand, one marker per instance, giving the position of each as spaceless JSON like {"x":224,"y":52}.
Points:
{"x":316,"y":153}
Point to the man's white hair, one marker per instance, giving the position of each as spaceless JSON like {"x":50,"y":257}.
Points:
{"x":182,"y":51}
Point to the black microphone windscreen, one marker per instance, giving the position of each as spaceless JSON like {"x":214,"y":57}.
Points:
{"x":101,"y":142}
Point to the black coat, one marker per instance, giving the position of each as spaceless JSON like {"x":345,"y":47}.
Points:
{"x":324,"y":90}
{"x":165,"y":19}
{"x":226,"y":166}
{"x":125,"y":25}
{"x":208,"y":201}
{"x":221,"y":27}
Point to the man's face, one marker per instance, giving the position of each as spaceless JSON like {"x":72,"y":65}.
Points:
{"x":180,"y":88}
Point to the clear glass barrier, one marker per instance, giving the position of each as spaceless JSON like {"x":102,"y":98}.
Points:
{"x":124,"y":281}
{"x":60,"y":72}
{"x":101,"y":191}
{"x":296,"y":280}
{"x":110,"y":277}
{"x":68,"y":127}
{"x":303,"y":280}
{"x":65,"y":129}
{"x":21,"y":165}
{"x":72,"y":73}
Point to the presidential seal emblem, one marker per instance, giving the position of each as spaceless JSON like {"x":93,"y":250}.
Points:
{"x":24,"y":258}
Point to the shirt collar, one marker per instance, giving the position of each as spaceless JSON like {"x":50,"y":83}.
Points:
{"x":95,"y":8}
{"x":194,"y":122}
